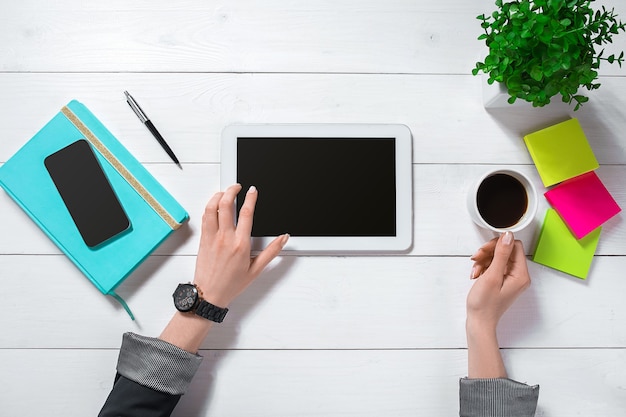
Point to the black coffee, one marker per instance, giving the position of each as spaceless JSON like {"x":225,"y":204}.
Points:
{"x":502,"y":200}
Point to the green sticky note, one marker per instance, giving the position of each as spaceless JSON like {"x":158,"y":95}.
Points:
{"x":559,"y":249}
{"x":561,"y":152}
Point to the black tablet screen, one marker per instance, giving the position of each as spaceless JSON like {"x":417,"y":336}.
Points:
{"x":320,"y":186}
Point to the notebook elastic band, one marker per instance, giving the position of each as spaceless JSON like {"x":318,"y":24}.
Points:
{"x":123,"y":171}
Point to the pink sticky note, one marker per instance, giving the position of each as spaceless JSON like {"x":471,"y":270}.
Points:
{"x":583,"y":203}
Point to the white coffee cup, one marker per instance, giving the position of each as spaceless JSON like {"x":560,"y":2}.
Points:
{"x":495,"y":201}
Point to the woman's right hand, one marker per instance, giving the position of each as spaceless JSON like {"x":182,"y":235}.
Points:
{"x":501,"y":275}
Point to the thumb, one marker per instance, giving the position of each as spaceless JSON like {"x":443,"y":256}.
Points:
{"x":502,"y":253}
{"x":270,"y":252}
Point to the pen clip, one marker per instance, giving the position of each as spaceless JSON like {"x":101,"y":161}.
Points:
{"x":133,"y":105}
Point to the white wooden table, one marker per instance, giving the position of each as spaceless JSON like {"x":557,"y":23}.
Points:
{"x":303,"y":340}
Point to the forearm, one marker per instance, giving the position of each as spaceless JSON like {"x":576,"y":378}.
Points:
{"x":487,"y":392}
{"x":187,"y":331}
{"x":484,"y":358}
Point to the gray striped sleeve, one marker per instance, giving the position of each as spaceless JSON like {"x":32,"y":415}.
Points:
{"x":157,"y":364}
{"x":497,"y":397}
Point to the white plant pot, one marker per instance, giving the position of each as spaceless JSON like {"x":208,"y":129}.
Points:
{"x":496,"y":96}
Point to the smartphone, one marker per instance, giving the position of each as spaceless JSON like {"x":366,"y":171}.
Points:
{"x":87,"y":193}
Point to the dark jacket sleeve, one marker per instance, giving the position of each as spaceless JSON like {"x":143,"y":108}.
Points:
{"x":128,"y":398}
{"x":151,"y":377}
{"x":497,"y":397}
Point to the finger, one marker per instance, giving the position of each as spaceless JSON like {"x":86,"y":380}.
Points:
{"x":519,"y":256}
{"x":518,"y":267}
{"x":226,"y":215}
{"x":501,"y":255}
{"x":482,"y":258}
{"x":518,"y":279}
{"x":483,"y":261}
{"x":209,"y":218}
{"x":246,"y":213}
{"x":485,"y":251}
{"x":269,"y":253}
{"x":475,"y":272}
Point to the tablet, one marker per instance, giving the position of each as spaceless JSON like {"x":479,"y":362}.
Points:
{"x":334,"y":188}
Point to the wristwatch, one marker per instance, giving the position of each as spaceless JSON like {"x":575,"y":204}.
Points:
{"x":188,"y":299}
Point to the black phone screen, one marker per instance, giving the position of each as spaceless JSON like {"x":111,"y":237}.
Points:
{"x":87,"y":193}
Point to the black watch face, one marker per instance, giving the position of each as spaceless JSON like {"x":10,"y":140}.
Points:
{"x":185,"y":297}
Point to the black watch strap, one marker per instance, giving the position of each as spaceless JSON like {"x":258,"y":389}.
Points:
{"x":211,"y":312}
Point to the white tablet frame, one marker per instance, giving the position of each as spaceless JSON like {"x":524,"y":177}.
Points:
{"x":403,"y":240}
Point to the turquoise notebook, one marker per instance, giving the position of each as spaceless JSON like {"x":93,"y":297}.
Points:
{"x":153,"y":213}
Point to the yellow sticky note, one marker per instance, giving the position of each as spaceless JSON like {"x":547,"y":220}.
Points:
{"x":559,"y":249}
{"x":561,"y":152}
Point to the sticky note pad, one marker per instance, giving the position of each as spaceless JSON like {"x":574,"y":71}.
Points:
{"x":561,"y":152}
{"x":583,"y":203}
{"x":559,"y":249}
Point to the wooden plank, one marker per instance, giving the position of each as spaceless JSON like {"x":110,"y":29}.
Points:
{"x":247,"y":36}
{"x":445,"y":113}
{"x":313,"y":303}
{"x":318,"y":383}
{"x":442,"y":225}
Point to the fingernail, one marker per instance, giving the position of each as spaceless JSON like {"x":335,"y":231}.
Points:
{"x":252,"y":189}
{"x":474,"y":272}
{"x":508,"y":238}
{"x":284,"y":239}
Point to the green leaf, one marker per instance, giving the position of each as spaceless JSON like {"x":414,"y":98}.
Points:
{"x":542,"y":18}
{"x":514,"y":83}
{"x":566,"y":63}
{"x":536,"y":73}
{"x":565,"y":22}
{"x":492,"y":60}
{"x":555,"y":4}
{"x":552,"y":89}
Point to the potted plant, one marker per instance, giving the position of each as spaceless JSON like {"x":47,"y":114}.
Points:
{"x":541,"y":48}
